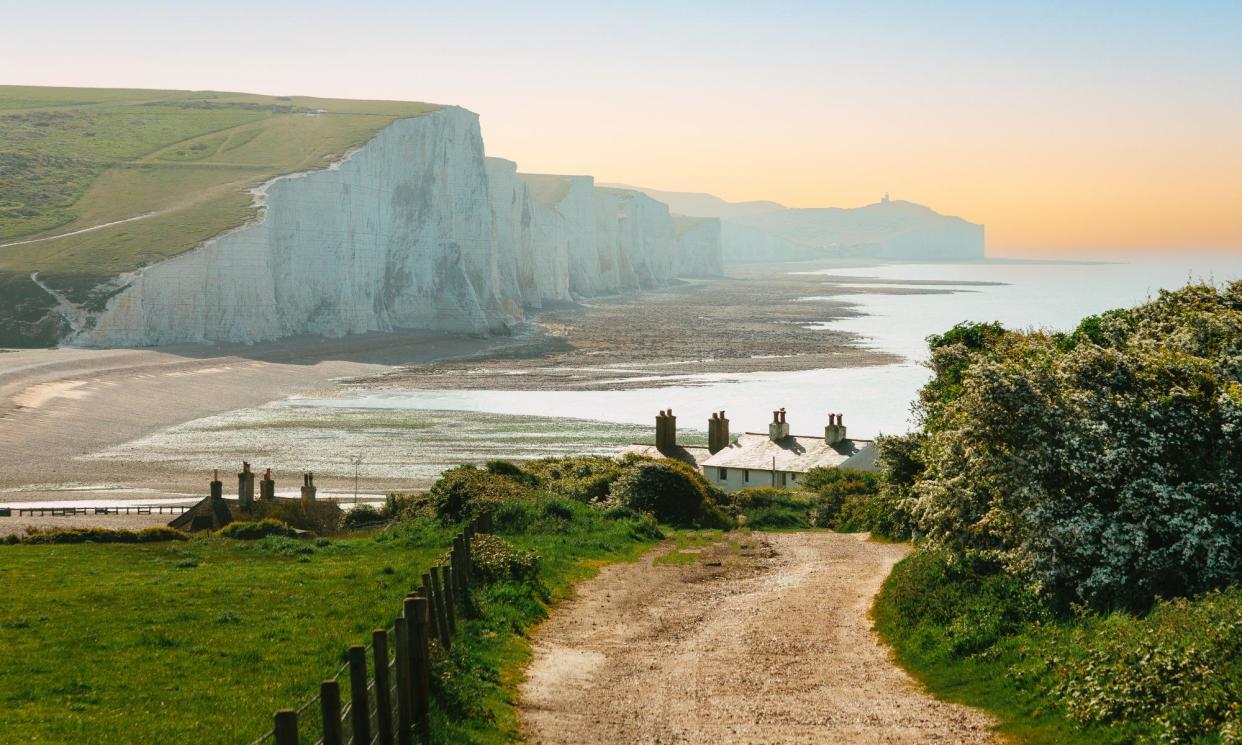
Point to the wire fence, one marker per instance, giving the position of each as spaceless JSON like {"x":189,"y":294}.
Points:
{"x":396,"y":694}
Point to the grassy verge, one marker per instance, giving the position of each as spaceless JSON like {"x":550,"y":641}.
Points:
{"x":201,"y":641}
{"x":478,"y":685}
{"x":976,"y":637}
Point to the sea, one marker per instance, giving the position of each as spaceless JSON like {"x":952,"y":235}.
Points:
{"x":408,"y":437}
{"x":874,"y":400}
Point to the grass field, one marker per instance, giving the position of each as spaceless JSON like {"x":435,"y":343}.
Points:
{"x":76,"y":158}
{"x":201,"y":641}
{"x":95,"y":182}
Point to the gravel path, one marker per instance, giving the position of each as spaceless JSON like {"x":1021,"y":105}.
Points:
{"x":770,"y":646}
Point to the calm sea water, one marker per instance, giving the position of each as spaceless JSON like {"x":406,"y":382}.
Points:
{"x":874,"y":399}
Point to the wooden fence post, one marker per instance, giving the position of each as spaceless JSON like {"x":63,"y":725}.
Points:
{"x":359,"y":701}
{"x":449,"y":579}
{"x":404,"y":684}
{"x":416,"y":608}
{"x":383,"y":697}
{"x":441,"y":607}
{"x":286,"y":729}
{"x":330,"y":705}
{"x":433,"y":604}
{"x":455,"y":563}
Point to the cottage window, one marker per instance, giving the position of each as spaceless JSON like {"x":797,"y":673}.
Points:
{"x":746,"y":475}
{"x":724,"y":474}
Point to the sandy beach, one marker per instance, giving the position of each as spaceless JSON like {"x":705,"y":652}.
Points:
{"x":67,"y":415}
{"x":57,"y":405}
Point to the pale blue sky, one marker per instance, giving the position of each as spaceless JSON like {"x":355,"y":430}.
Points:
{"x":1058,"y":124}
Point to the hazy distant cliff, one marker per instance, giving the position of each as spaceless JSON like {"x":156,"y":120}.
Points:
{"x":417,"y":229}
{"x":766,"y":231}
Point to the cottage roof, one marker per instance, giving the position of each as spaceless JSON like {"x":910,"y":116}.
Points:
{"x":792,"y":454}
{"x":693,"y":454}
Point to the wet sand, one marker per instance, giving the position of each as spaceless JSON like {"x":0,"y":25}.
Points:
{"x":57,"y":405}
{"x":60,"y":407}
{"x":757,"y":320}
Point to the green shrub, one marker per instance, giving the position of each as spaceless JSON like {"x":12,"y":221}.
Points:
{"x":401,"y":506}
{"x":363,"y":514}
{"x":672,"y":492}
{"x":464,"y":492}
{"x":621,"y":513}
{"x":645,"y":528}
{"x":963,"y":605}
{"x":493,"y":559}
{"x":1167,"y":676}
{"x":97,"y":535}
{"x":511,"y":470}
{"x":254,"y":530}
{"x":557,"y":509}
{"x":772,"y":508}
{"x":851,"y":501}
{"x":587,"y":478}
{"x":1177,"y":668}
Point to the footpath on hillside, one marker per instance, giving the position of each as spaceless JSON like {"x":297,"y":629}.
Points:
{"x":758,"y":640}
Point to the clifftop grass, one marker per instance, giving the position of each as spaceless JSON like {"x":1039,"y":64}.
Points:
{"x":76,"y":158}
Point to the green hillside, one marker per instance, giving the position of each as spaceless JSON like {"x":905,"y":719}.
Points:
{"x":170,"y":168}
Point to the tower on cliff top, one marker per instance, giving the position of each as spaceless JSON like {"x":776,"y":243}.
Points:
{"x":885,"y":199}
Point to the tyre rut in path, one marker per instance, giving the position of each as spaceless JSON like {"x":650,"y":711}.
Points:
{"x":772,"y":646}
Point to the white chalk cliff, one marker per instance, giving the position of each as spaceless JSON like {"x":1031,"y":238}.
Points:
{"x":417,"y":229}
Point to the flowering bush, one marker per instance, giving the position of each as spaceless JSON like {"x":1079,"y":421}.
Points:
{"x":1105,"y":465}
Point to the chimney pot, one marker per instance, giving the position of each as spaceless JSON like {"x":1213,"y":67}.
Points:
{"x":779,"y":428}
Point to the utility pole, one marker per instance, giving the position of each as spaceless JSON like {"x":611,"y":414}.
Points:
{"x":357,"y":461}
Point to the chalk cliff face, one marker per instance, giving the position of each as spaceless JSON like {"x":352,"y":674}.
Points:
{"x":699,"y":246}
{"x":417,"y":229}
{"x":398,"y":235}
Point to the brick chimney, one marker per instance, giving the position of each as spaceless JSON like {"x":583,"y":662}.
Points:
{"x":245,"y":487}
{"x":717,"y":432}
{"x":779,"y":428}
{"x":217,"y":486}
{"x":308,"y":487}
{"x":835,"y":431}
{"x":666,"y":431}
{"x":267,"y":486}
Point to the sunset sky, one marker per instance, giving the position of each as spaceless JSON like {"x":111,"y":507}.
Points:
{"x":1064,"y":127}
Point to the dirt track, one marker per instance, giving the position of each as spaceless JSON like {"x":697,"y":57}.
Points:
{"x":770,"y":647}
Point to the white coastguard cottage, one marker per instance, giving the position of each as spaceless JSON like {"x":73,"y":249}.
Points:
{"x":776,"y":458}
